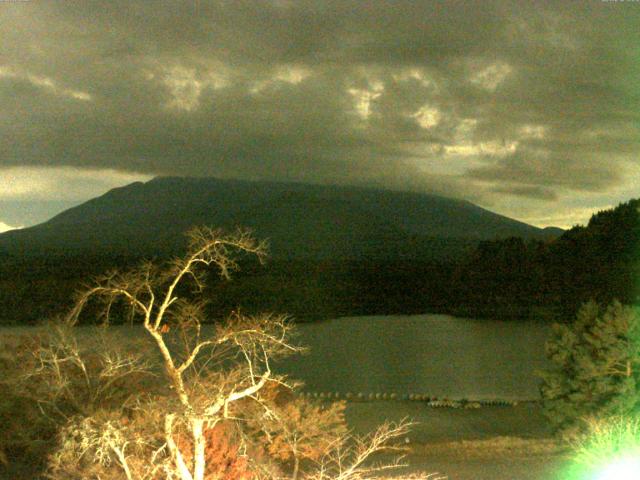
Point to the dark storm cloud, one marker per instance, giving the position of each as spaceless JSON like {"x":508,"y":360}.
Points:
{"x":470,"y":98}
{"x":528,"y":191}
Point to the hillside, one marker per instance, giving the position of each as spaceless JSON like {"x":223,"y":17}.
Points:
{"x":599,"y":261}
{"x":333,"y":250}
{"x":300,"y":221}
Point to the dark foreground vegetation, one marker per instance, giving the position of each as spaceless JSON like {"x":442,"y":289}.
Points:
{"x":510,"y":278}
{"x":173,"y":403}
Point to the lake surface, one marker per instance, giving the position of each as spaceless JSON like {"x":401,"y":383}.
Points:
{"x":436,"y":355}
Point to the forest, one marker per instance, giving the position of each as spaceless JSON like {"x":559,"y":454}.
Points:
{"x":508,"y":279}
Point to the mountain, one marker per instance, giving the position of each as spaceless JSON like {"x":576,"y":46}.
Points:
{"x":299,"y":220}
{"x":553,"y":232}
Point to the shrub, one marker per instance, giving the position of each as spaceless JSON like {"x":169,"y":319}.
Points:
{"x":24,"y":433}
{"x":296,"y":431}
{"x":52,"y":379}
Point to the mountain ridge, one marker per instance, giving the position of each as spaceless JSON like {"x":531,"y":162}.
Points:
{"x":301,"y":220}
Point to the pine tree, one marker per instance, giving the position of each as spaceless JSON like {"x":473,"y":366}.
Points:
{"x":596,"y":369}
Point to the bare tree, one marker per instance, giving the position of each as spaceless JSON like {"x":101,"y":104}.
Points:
{"x":175,"y":324}
{"x":213,"y":374}
{"x":351,"y":457}
{"x":300,"y":430}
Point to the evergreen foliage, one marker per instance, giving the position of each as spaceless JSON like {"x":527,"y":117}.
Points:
{"x":513,"y":278}
{"x":596,"y":367}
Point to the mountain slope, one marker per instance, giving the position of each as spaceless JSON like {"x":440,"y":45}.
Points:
{"x":300,"y":221}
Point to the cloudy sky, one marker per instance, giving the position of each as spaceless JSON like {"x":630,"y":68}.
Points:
{"x":530,"y":109}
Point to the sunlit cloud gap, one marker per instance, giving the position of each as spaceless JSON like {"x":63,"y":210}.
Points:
{"x":61,"y":183}
{"x":5,"y":228}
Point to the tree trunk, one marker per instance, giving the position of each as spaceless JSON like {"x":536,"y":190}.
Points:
{"x":181,"y":468}
{"x":199,"y":444}
{"x":296,"y":467}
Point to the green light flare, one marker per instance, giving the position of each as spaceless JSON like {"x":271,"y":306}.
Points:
{"x":625,"y":468}
{"x":610,"y":451}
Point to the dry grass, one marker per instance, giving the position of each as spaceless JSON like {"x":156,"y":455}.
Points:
{"x":497,"y":447}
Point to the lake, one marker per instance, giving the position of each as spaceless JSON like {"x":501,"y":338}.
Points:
{"x":436,"y":355}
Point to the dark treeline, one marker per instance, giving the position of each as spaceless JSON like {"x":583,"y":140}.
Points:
{"x":507,"y":278}
{"x":36,"y":290}
{"x":598,"y":262}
